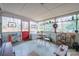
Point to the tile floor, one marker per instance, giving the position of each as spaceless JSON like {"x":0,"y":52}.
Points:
{"x":35,"y":46}
{"x":39,"y":48}
{"x":72,"y":52}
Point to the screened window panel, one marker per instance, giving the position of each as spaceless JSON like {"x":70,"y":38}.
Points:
{"x":40,"y":27}
{"x":58,"y":19}
{"x":59,"y":28}
{"x":24,"y":26}
{"x":69,"y":26}
{"x":49,"y":27}
{"x":46,"y":27}
{"x":33,"y":27}
{"x":10,"y":24}
{"x":78,"y":16}
{"x":74,"y":17}
{"x":78,"y":25}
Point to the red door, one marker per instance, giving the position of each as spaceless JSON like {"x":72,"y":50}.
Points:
{"x":25,"y":35}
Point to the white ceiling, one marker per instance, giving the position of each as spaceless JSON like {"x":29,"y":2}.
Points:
{"x":38,"y":11}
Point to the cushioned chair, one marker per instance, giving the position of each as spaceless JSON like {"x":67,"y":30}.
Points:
{"x":7,"y":49}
